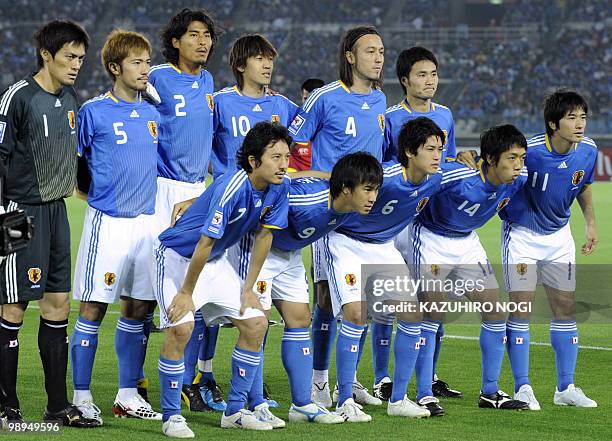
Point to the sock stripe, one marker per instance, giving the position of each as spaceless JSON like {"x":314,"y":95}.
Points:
{"x":85,"y":330}
{"x":180,"y":369}
{"x":430,"y":326}
{"x":494,"y":327}
{"x":63,"y":325}
{"x":149,"y":317}
{"x":517,"y":326}
{"x":15,"y":327}
{"x":409,"y":329}
{"x":351,"y":331}
{"x":198,"y":316}
{"x":246,"y":361}
{"x":253,"y":360}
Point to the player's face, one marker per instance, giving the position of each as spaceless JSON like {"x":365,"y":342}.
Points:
{"x":305,"y":95}
{"x":274,"y":163}
{"x":134,"y":71}
{"x":428,"y":156}
{"x":258,"y":70}
{"x":423,"y":80}
{"x":194,"y":45}
{"x":572,"y":125}
{"x":510,"y":164}
{"x":363,"y":197}
{"x":368,"y":56}
{"x":65,"y":66}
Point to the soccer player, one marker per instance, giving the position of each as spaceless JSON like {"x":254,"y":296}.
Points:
{"x":193,"y":272}
{"x":240,"y":107}
{"x":417,"y":72}
{"x":118,"y":139}
{"x":537,"y":244}
{"x":343,"y":117}
{"x":406,"y":190}
{"x":185,"y":89}
{"x":316,"y":207}
{"x":301,"y":155}
{"x":38,"y":142}
{"x":442,"y":242}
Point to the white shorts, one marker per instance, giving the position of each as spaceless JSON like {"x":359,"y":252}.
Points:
{"x":530,"y":258}
{"x":216,"y":294}
{"x":170,"y":193}
{"x":319,"y":267}
{"x":282,"y":276}
{"x":113,"y":259}
{"x":345,"y":256}
{"x":438,"y":258}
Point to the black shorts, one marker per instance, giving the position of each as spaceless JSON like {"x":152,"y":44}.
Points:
{"x":44,"y":266}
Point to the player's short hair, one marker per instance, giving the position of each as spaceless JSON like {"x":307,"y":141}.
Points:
{"x":408,"y":58}
{"x":355,"y":169}
{"x":559,"y":104}
{"x":311,"y":84}
{"x":118,"y":46}
{"x":347,"y":44}
{"x":258,"y":139}
{"x":247,"y":46}
{"x":499,"y":139}
{"x":55,"y":34}
{"x":413,"y":135}
{"x":178,"y":25}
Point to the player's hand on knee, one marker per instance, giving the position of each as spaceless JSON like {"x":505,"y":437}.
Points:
{"x":181,"y":305}
{"x":180,"y":209}
{"x":468,"y":158}
{"x":248,"y":299}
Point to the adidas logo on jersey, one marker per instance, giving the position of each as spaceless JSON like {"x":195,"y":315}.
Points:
{"x":365,"y":106}
{"x":258,"y":204}
{"x":332,"y":222}
{"x":493,"y":196}
{"x":256,"y":108}
{"x":195,"y":85}
{"x":134,"y":114}
{"x":562,"y":165}
{"x":58,"y":103}
{"x":414,"y":194}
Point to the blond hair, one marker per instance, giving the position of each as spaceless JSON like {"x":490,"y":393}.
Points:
{"x":118,"y":46}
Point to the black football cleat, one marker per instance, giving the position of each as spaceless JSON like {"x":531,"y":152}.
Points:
{"x":266,"y":394}
{"x":382,"y":390}
{"x":142,"y":387}
{"x":500,"y":400}
{"x":441,"y":389}
{"x":71,"y":417}
{"x":11,"y":414}
{"x":432,"y":404}
{"x":192,"y":397}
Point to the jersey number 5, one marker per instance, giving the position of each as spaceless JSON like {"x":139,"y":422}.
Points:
{"x":120,"y":133}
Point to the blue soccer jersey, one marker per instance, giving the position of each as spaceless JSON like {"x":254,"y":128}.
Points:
{"x":226,"y":211}
{"x":338,"y":122}
{"x":553,"y":183}
{"x":119,"y":141}
{"x":310,"y":214}
{"x":398,"y":115}
{"x":234,"y":116}
{"x":466,"y":200}
{"x":186,"y":129}
{"x":398,"y":202}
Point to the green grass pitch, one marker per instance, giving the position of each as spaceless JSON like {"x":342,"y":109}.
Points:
{"x":459,"y":364}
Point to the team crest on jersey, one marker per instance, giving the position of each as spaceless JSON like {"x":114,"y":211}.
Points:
{"x":421,"y":204}
{"x":577,"y":177}
{"x":217,"y":218}
{"x":34,"y":275}
{"x":152,"y":125}
{"x":275,"y":119}
{"x":264,"y":212}
{"x":381,"y":121}
{"x":350,"y":279}
{"x":521,"y":269}
{"x":262,"y":285}
{"x":109,"y":278}
{"x":210,"y":100}
{"x":71,"y":119}
{"x":502,"y":203}
{"x":435,"y":269}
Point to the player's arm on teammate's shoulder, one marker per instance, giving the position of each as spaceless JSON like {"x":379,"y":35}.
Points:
{"x":261,"y":248}
{"x":467,"y":157}
{"x":309,"y":174}
{"x":585,"y":200}
{"x":180,"y":209}
{"x":183,"y":301}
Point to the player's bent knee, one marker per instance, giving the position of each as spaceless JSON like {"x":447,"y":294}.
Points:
{"x":54,"y":306}
{"x":93,"y":311}
{"x":14,"y":312}
{"x":181,"y":333}
{"x":135,"y":309}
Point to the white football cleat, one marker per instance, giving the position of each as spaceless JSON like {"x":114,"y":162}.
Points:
{"x":262,"y":413}
{"x":351,"y":412}
{"x":406,"y":408}
{"x":243,"y":419}
{"x":320,"y":394}
{"x":573,"y":396}
{"x":313,"y":413}
{"x":89,"y":410}
{"x":526,"y":395}
{"x":176,"y":427}
{"x":360,"y":395}
{"x":135,"y":407}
